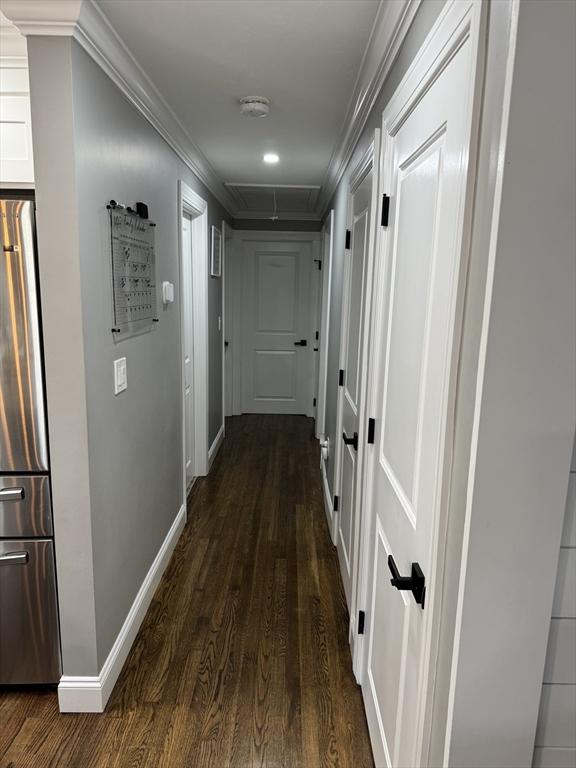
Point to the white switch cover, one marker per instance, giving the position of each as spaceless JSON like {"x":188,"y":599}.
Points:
{"x":167,"y":292}
{"x":120,"y":377}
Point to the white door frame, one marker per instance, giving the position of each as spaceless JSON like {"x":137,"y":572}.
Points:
{"x":227,"y":267}
{"x":192,"y":205}
{"x":235,"y":287}
{"x":362,"y":168}
{"x":327,"y":248}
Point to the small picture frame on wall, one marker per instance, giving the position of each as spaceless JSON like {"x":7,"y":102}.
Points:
{"x":216,"y":259}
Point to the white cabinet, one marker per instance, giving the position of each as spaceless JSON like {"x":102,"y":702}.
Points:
{"x":16,"y":162}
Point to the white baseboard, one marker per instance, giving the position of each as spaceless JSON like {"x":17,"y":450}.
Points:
{"x":215,"y":447}
{"x":90,"y":694}
{"x":328,"y":507}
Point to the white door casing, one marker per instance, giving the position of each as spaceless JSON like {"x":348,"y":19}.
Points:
{"x":354,"y":292}
{"x":277,"y":372}
{"x":193,"y":227}
{"x":227,"y":316}
{"x":327,"y":241}
{"x":426,"y":138}
{"x":188,"y":349}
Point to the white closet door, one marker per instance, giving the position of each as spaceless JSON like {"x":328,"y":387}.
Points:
{"x":426,"y":138}
{"x":278,"y":344}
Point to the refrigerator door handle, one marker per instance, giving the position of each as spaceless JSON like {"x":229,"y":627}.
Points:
{"x":12,"y":494}
{"x":14,"y":558}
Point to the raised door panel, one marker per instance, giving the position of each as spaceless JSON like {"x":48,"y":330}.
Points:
{"x":274,"y":374}
{"x":357,"y":265}
{"x":390,"y":616}
{"x":408,"y":328}
{"x":276,"y":292}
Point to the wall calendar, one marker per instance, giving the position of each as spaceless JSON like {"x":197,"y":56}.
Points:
{"x":133,"y":270}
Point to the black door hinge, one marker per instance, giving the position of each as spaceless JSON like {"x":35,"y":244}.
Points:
{"x":385,"y":210}
{"x":348,"y":239}
{"x":314,"y":402}
{"x":319,"y":262}
{"x":340,"y":378}
{"x":317,"y":336}
{"x":336,"y":500}
{"x":371,"y":428}
{"x":361,"y":620}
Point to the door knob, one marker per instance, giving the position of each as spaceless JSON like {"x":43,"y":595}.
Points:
{"x":416,"y":582}
{"x":301,"y":343}
{"x":351,"y":440}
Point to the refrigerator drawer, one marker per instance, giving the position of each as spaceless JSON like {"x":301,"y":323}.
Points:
{"x":25,"y":508}
{"x":29,"y":635}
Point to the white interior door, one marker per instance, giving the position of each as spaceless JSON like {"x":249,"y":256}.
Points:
{"x":426,"y":140}
{"x":188,"y":348}
{"x":354,"y":295}
{"x":277,"y":359}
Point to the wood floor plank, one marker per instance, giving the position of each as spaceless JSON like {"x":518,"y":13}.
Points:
{"x":243,"y":658}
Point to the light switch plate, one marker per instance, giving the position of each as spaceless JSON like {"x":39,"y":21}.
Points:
{"x":167,"y":292}
{"x":120,"y":375}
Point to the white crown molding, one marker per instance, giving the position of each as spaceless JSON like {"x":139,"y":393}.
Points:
{"x":392,"y":22}
{"x":42,"y":17}
{"x":83,"y":20}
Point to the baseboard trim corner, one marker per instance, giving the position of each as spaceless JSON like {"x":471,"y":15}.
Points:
{"x":91,"y":694}
{"x":215,"y":447}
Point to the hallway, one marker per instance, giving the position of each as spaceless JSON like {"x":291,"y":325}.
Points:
{"x":243,"y":658}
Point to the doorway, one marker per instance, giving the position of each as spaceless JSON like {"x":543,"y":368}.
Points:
{"x":272,"y":297}
{"x":414,"y":357}
{"x":194,"y":334}
{"x":355,"y":288}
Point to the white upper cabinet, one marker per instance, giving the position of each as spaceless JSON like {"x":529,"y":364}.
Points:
{"x":16,"y":161}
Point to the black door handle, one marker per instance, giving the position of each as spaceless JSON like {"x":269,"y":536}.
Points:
{"x":416,"y":582}
{"x":301,"y":343}
{"x":351,"y":440}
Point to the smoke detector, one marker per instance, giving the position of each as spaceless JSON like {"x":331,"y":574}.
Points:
{"x":254,"y":106}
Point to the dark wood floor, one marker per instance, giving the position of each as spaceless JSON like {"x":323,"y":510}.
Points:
{"x":243,"y":657}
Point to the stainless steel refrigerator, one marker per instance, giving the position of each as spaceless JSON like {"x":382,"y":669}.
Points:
{"x":29,"y":633}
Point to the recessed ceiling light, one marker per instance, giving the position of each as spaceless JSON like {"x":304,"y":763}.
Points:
{"x":271,"y":158}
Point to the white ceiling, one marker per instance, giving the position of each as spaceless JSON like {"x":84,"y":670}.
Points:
{"x":203,"y":55}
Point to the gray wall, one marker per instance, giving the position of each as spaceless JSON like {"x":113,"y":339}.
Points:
{"x":134,"y":440}
{"x":423,"y":21}
{"x":556,"y":731}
